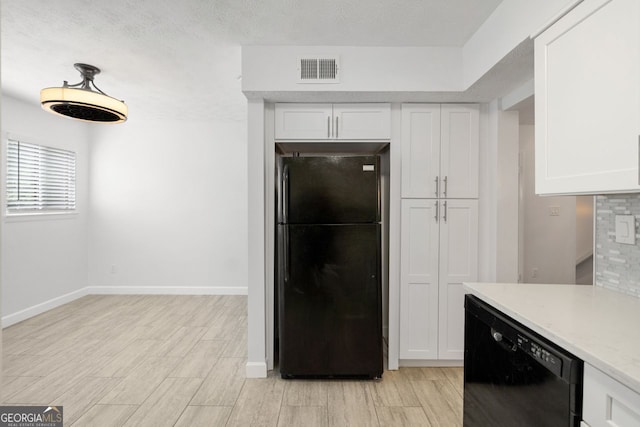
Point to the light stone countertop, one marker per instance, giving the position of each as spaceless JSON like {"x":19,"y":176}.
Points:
{"x":599,"y":326}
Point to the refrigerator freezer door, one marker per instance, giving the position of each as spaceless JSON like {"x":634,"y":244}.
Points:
{"x":330,"y":190}
{"x":330,"y":301}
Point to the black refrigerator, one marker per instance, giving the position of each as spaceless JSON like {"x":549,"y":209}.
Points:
{"x":328,"y":267}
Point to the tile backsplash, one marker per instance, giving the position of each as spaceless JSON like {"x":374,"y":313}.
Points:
{"x":617,"y":265}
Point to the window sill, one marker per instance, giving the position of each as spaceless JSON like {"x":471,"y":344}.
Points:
{"x":39,"y":216}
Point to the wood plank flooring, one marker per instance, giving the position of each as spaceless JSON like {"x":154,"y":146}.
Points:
{"x":180,"y":360}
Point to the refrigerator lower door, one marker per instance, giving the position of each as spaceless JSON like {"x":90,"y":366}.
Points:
{"x":330,"y":322}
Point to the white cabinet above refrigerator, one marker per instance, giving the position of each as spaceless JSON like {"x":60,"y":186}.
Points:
{"x":587,"y":88}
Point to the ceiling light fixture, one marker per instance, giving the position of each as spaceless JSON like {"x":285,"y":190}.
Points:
{"x":83,"y":101}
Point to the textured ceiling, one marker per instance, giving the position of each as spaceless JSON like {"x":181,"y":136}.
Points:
{"x":189,"y":50}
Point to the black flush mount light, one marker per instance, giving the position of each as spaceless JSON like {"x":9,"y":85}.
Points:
{"x":83,"y":101}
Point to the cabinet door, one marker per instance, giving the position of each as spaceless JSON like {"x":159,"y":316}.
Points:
{"x":459,"y":151}
{"x":587,"y":85}
{"x":458,"y":263}
{"x":607,"y":402}
{"x":419,"y":280}
{"x":303,"y":121}
{"x":362,"y":121}
{"x":420,"y":150}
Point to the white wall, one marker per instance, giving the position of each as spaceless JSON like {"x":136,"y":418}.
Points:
{"x":549,"y":241}
{"x":168,"y":208}
{"x":256,"y":221}
{"x":487,"y":193}
{"x":362,"y":69}
{"x":498,"y":191}
{"x":44,"y":258}
{"x":511,"y":23}
{"x":507,"y":192}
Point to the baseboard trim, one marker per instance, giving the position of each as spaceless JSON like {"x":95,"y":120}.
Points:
{"x":166,"y":290}
{"x":12,"y":319}
{"x":256,"y":370}
{"x":430,"y":363}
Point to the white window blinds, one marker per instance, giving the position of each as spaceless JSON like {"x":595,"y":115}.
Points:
{"x":40,"y":178}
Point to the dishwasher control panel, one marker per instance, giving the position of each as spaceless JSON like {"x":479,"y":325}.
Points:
{"x":542,"y":354}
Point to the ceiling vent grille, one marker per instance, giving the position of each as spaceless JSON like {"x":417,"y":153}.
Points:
{"x":318,"y":70}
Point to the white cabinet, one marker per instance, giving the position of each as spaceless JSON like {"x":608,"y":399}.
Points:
{"x":587,"y":88}
{"x":439,"y":227}
{"x":440,"y":150}
{"x":458,"y":263}
{"x":606,"y":402}
{"x":419,"y":252}
{"x":332,"y":121}
{"x":303,"y":121}
{"x":439,"y":251}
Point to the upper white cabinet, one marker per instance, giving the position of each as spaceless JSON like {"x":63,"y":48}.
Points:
{"x":587,"y":88}
{"x":440,"y":146}
{"x":332,"y":121}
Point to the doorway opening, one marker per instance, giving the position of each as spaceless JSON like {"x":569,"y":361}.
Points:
{"x":556,"y":232}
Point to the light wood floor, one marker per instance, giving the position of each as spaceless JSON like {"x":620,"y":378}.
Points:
{"x":180,"y":360}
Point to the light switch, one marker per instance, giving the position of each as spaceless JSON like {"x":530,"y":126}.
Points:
{"x":626,"y":229}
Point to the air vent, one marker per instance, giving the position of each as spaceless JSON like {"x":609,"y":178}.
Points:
{"x":318,"y":70}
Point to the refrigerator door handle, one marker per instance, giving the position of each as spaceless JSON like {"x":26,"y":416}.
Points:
{"x":286,"y":254}
{"x":444,"y":217}
{"x":285,"y":194}
{"x":437,"y":185}
{"x":437,"y":211}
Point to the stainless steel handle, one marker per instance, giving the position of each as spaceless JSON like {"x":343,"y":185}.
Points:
{"x":286,"y":254}
{"x":285,"y":220}
{"x":446,"y":178}
{"x":445,"y":212}
{"x":285,"y":194}
{"x":437,"y":211}
{"x":437,"y":186}
{"x":328,"y":126}
{"x":337,"y":126}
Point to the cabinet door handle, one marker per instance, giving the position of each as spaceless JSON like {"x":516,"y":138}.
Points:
{"x":336,"y":126}
{"x":437,"y":211}
{"x":328,"y":126}
{"x":437,"y":185}
{"x":444,"y":217}
{"x":445,"y":185}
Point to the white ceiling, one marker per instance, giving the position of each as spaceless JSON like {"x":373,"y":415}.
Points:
{"x":189,"y":50}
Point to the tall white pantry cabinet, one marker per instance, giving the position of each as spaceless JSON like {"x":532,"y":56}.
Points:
{"x":439,"y":227}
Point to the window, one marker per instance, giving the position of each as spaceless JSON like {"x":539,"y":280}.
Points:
{"x":40,"y":179}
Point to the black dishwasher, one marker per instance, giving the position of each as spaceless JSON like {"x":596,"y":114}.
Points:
{"x":515,"y":377}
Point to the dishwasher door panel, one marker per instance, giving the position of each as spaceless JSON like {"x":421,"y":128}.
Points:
{"x":506,"y":384}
